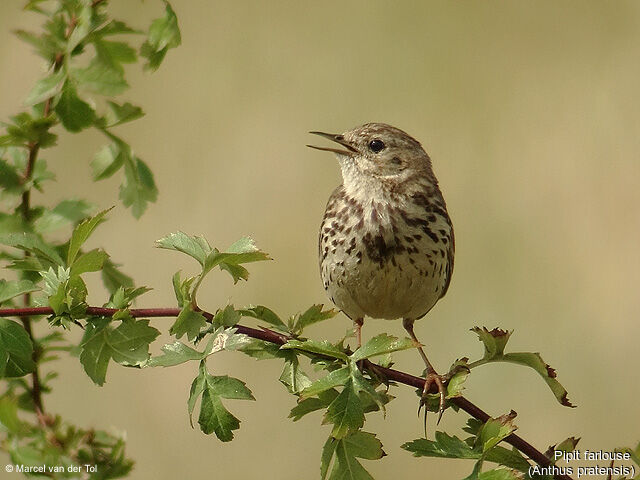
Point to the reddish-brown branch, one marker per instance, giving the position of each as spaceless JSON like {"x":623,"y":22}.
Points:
{"x":280,"y":339}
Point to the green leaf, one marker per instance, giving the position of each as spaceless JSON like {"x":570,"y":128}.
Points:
{"x":331,"y":380}
{"x":9,"y":415}
{"x":75,"y":114}
{"x":114,"y":54}
{"x":313,"y":314}
{"x":214,"y":417}
{"x":177,"y":352}
{"x":509,"y":458}
{"x":266,"y":315}
{"x":380,"y":345}
{"x":45,"y":88}
{"x":322,"y":348}
{"x":114,"y":278}
{"x":494,"y":340}
{"x":242,"y":251}
{"x":313,"y":404}
{"x":89,"y":262}
{"x":119,"y":114}
{"x":345,"y":412}
{"x":164,"y":31}
{"x":164,"y":34}
{"x":107,"y":162}
{"x":293,"y":377}
{"x":43,"y":46}
{"x":67,"y":212}
{"x":189,"y":322}
{"x":10,"y":180}
{"x":495,"y":430}
{"x":174,"y":354}
{"x":128,"y":344}
{"x":100,"y":78}
{"x":82,"y":232}
{"x":27,"y":129}
{"x":11,"y":289}
{"x":346,"y":451}
{"x":33,"y":243}
{"x":195,"y":246}
{"x":16,"y":350}
{"x":444,"y":446}
{"x":328,"y":450}
{"x":500,"y":474}
{"x":226,"y":317}
{"x":535,"y":361}
{"x":139,"y":187}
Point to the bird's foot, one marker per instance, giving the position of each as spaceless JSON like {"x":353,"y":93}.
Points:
{"x":440,"y":381}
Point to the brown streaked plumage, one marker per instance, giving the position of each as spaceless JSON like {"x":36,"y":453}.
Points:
{"x":386,"y":243}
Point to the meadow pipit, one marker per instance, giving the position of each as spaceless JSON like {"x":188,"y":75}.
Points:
{"x":386,"y":239}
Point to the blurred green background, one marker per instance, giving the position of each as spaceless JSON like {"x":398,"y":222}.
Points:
{"x":531,"y":114}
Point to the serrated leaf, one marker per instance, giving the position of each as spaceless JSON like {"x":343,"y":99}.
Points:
{"x":495,"y":430}
{"x":323,"y":348}
{"x":174,"y":354}
{"x":82,"y":232}
{"x":139,"y":188}
{"x":164,"y":34}
{"x":214,"y":417}
{"x":226,"y":317}
{"x":164,"y":31}
{"x":189,"y":322}
{"x":13,"y":288}
{"x":127,"y":344}
{"x":380,"y":345}
{"x":107,"y":162}
{"x":196,"y":247}
{"x":313,"y":314}
{"x":100,"y":78}
{"x":45,"y":88}
{"x":346,"y":452}
{"x":266,"y":315}
{"x":494,"y":340}
{"x":308,"y":405}
{"x":444,"y":446}
{"x":345,"y":412}
{"x":119,"y":114}
{"x":331,"y":380}
{"x":293,"y":377}
{"x":535,"y":361}
{"x":509,"y":458}
{"x":66,"y":213}
{"x":33,"y":243}
{"x":74,"y":113}
{"x":89,"y":262}
{"x":16,"y":350}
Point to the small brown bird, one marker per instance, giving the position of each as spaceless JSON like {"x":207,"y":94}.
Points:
{"x":386,"y":239}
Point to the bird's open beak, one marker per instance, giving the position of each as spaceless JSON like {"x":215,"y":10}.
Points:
{"x":338,"y":139}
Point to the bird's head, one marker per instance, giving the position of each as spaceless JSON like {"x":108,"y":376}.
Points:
{"x":378,"y":153}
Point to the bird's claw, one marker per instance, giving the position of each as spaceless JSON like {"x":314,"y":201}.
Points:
{"x":431,"y":378}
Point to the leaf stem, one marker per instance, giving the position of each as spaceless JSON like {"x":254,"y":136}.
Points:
{"x":280,"y":339}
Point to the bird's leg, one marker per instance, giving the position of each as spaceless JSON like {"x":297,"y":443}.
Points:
{"x":431,"y":376}
{"x":357,"y":325}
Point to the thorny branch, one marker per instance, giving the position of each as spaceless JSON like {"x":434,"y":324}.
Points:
{"x":25,"y":209}
{"x":280,"y":339}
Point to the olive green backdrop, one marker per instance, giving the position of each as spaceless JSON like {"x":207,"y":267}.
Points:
{"x":531,"y":114}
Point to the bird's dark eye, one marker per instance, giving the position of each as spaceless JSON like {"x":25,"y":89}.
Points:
{"x":376,"y":145}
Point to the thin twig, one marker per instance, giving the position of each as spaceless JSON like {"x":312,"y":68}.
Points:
{"x":280,"y":339}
